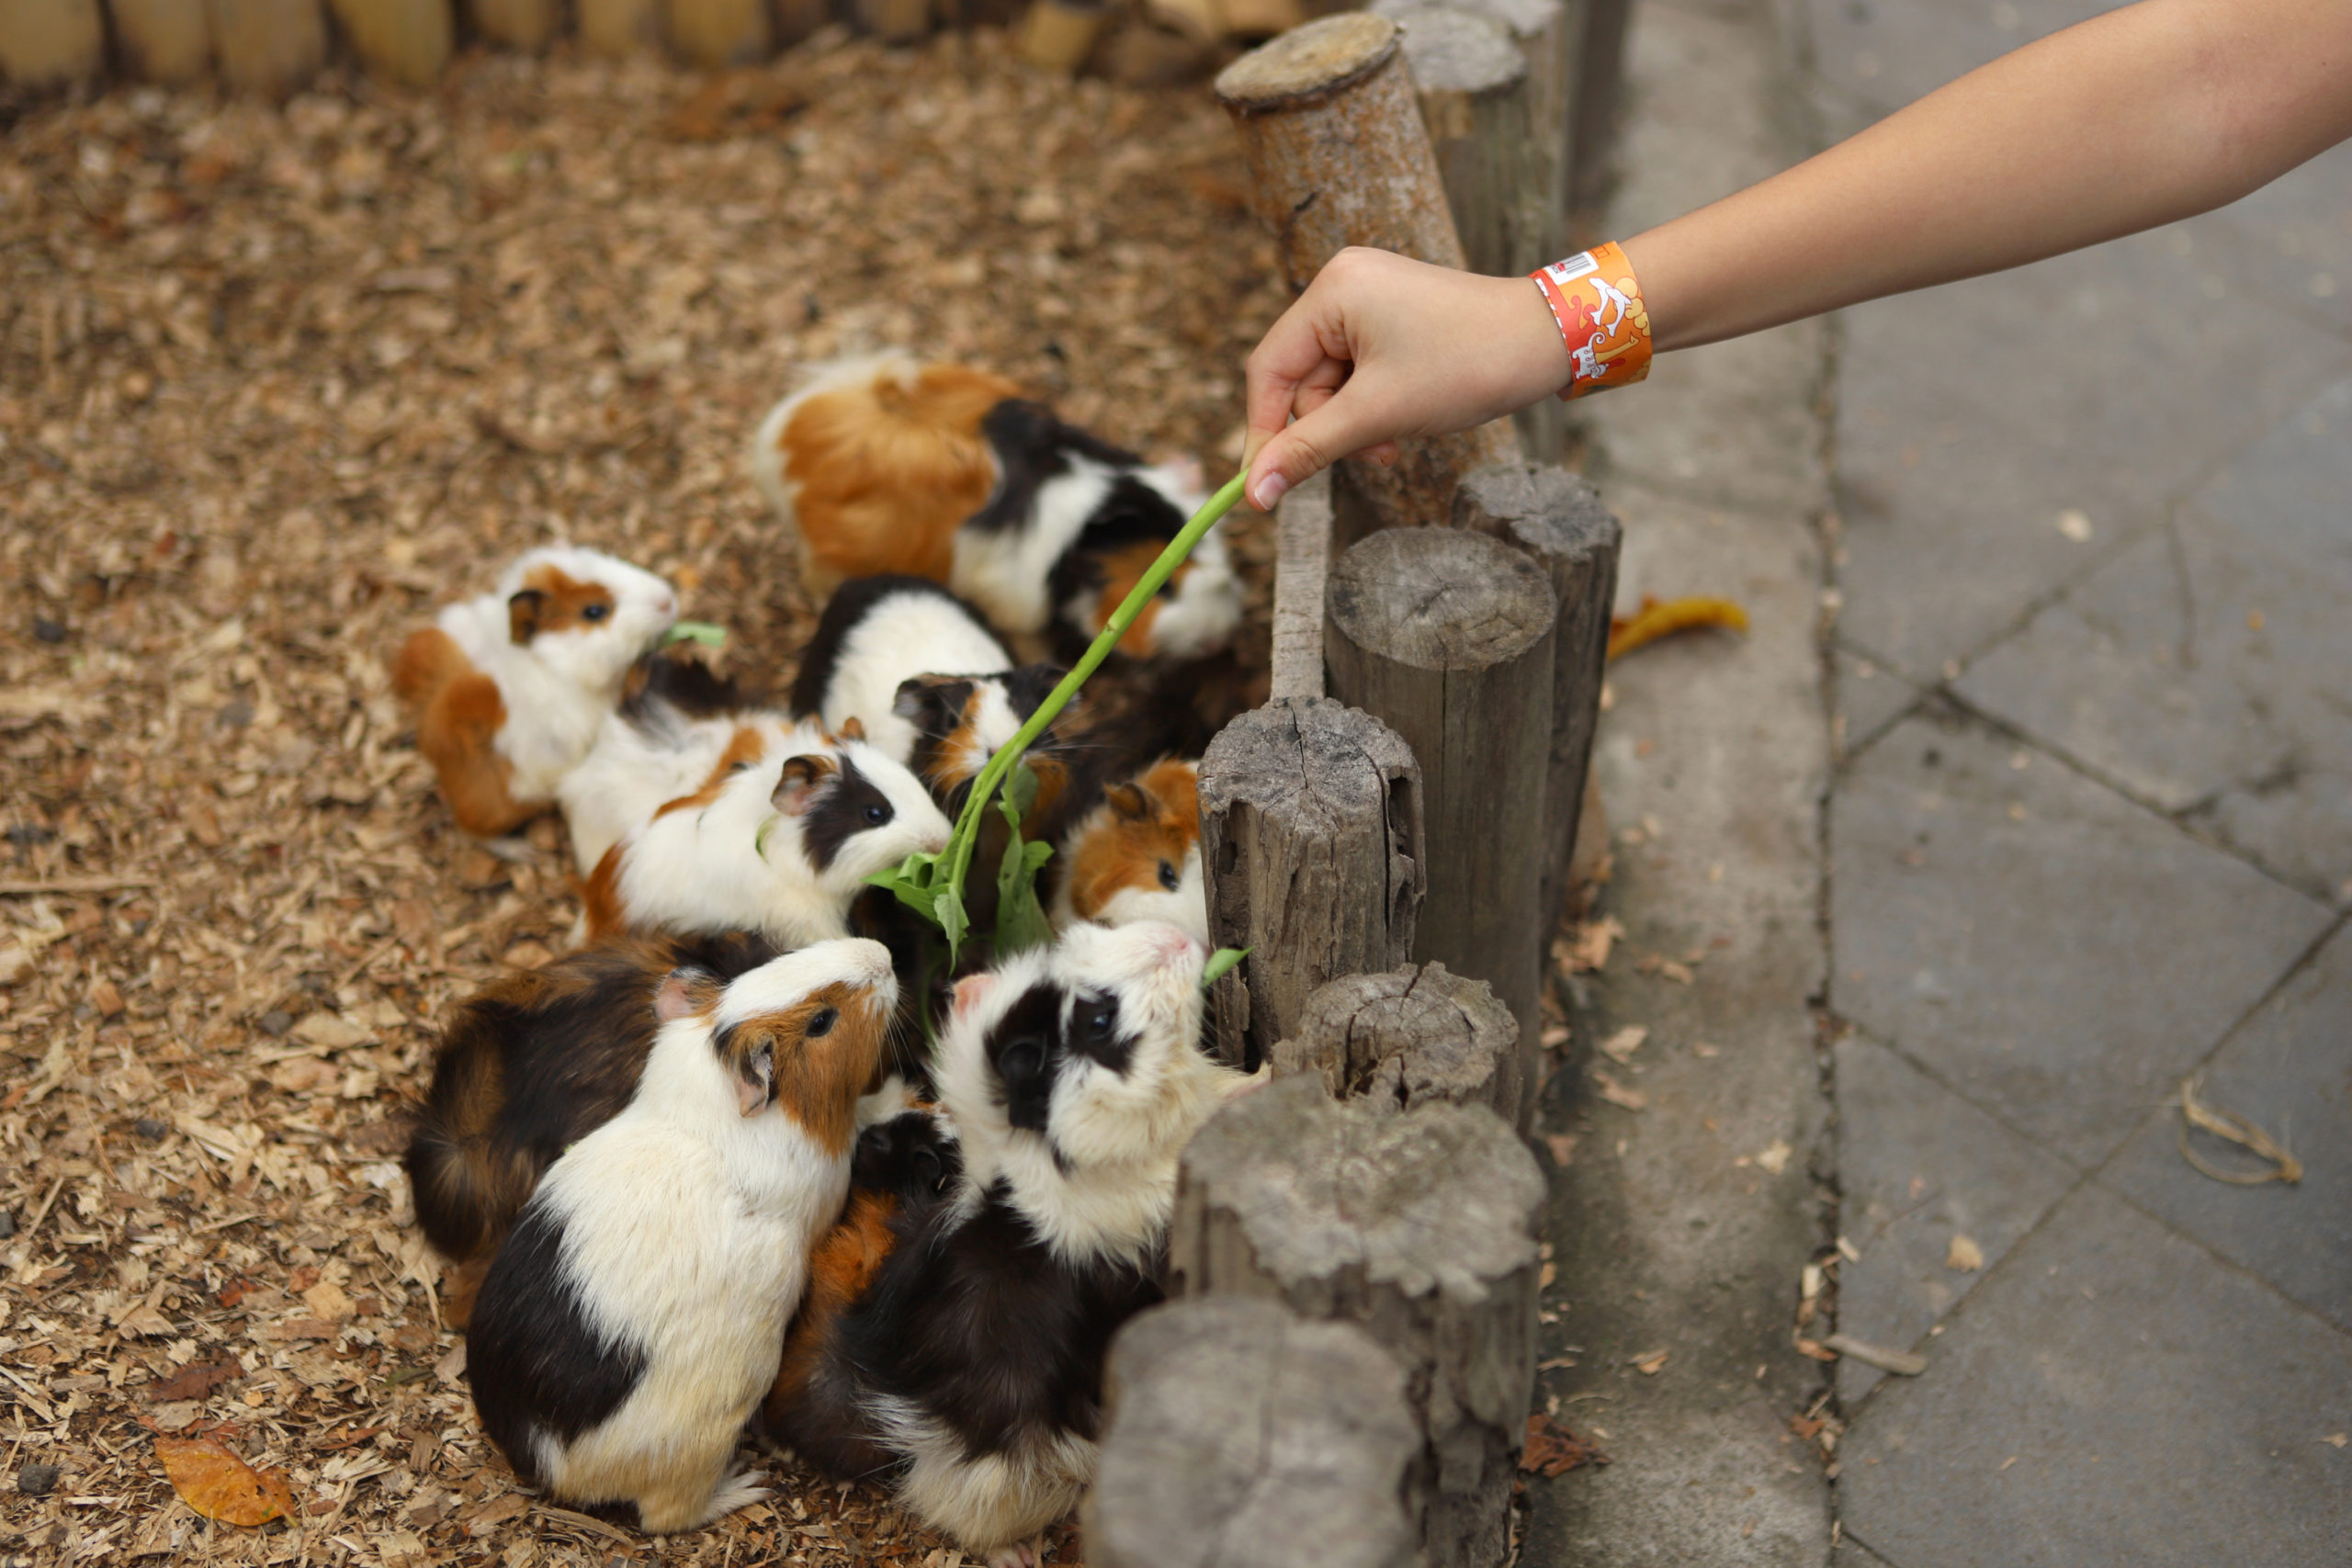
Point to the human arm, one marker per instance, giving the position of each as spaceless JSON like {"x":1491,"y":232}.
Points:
{"x":2143,"y":116}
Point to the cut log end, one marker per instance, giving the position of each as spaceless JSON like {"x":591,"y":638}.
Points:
{"x":1414,"y":1036}
{"x":1307,"y":62}
{"x":1404,"y":592}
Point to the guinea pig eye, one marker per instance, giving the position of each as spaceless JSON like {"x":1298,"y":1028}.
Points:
{"x":1022,"y":1061}
{"x":821,"y":1022}
{"x":1097,"y":1020}
{"x":1168,"y":877}
{"x":877,"y":814}
{"x":594,"y":612}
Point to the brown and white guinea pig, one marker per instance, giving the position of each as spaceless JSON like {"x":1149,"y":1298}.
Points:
{"x":508,"y":688}
{"x":528,"y":1066}
{"x":971,"y":1362}
{"x":778,"y":837}
{"x":635,"y":1316}
{"x":946,"y":472}
{"x":1138,"y":855}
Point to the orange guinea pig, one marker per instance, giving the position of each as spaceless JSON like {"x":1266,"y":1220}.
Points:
{"x":1138,"y":855}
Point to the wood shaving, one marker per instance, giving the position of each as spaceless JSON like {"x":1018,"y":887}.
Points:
{"x":2234,"y":1128}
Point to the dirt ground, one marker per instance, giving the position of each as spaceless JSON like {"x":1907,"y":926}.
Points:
{"x":272,"y":385}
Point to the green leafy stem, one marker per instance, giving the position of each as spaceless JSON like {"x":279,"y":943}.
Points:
{"x":932,"y":883}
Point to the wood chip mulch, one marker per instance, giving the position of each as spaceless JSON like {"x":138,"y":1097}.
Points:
{"x":273,"y":383}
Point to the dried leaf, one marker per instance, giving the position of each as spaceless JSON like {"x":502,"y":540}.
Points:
{"x":1620,"y":1047}
{"x":1563,"y":1147}
{"x":1656,"y":619}
{"x":219,"y":1485}
{"x":1650,"y":1365}
{"x":1588,"y":950}
{"x":1964,"y":1254}
{"x":1553,"y":1451}
{"x":1616,"y":1093}
{"x":2235,"y":1129}
{"x":1665,"y":969}
{"x":1903,"y":1363}
{"x":196,"y":1381}
{"x":330,"y":1302}
{"x":1774,"y":1159}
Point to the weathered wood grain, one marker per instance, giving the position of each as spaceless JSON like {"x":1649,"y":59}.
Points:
{"x":896,"y":21}
{"x":1559,"y":520}
{"x":517,"y":24}
{"x":1339,"y":156}
{"x":1057,"y":35}
{"x":1418,"y":1225}
{"x":1240,"y":1435}
{"x":1302,"y":564}
{"x":1413,"y":1036}
{"x":1446,"y":636}
{"x":1311,"y":841}
{"x":163,"y":40}
{"x":271,"y":47}
{"x":616,"y":28}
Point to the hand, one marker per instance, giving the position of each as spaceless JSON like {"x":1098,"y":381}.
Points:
{"x":1380,"y":347}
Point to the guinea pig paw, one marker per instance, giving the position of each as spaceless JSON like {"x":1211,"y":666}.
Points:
{"x":1021,"y":1555}
{"x":741,"y":1489}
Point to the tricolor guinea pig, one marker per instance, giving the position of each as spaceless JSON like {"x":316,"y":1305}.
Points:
{"x":528,"y":1066}
{"x":946,"y":472}
{"x":878,"y":632}
{"x":674,"y":719}
{"x":971,"y":1362}
{"x":634,"y":1315}
{"x":1138,"y":855}
{"x":508,"y":690}
{"x":778,"y":837}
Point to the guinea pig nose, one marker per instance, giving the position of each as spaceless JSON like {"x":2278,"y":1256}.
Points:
{"x":1176,"y":946}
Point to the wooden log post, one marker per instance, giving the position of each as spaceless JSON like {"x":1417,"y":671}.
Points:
{"x":1339,"y":156}
{"x":517,"y":24}
{"x":1413,"y":1036}
{"x":1596,"y":95}
{"x":1311,"y":842}
{"x":715,"y":34}
{"x":406,"y":40}
{"x":1240,"y":1435}
{"x":1446,"y":637}
{"x":616,"y":28}
{"x":272,"y":47}
{"x":1057,"y":35}
{"x":1302,"y":566}
{"x":797,"y":20}
{"x":1559,"y":520}
{"x":1418,"y":1226}
{"x":47,"y":43}
{"x":163,"y":40}
{"x":1486,"y":111}
{"x":896,"y":21}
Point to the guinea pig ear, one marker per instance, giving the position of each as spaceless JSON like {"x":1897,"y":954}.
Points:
{"x":755,"y":1079}
{"x":931,"y":704}
{"x":796,"y":790}
{"x":852,"y":728}
{"x":1183,"y":472}
{"x":1128,"y":802}
{"x":683,"y":993}
{"x":524,"y":608}
{"x":969,"y":990}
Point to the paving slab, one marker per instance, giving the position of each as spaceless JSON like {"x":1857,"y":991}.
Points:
{"x":2056,"y":955}
{"x":1919,"y":1167}
{"x":1868,"y":694}
{"x":2202,"y":668}
{"x":2290,"y":1071}
{"x":1883,"y":54}
{"x":2111,"y":1397}
{"x":2060,"y":421}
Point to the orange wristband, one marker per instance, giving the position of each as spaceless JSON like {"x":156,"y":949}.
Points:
{"x":1597,"y":304}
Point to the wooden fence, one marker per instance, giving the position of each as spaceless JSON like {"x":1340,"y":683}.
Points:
{"x":1344,"y":1373}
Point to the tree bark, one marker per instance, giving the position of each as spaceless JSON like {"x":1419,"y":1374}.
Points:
{"x":1311,"y":841}
{"x":1418,"y":1226}
{"x":1339,"y":156}
{"x":1446,"y":636}
{"x":164,"y":40}
{"x":1240,"y":1437}
{"x":1414,"y":1036}
{"x":272,"y":47}
{"x":1560,"y":522}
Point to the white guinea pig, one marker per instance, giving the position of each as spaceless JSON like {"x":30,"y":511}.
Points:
{"x":634,"y":1315}
{"x":508,"y":690}
{"x":779,"y":838}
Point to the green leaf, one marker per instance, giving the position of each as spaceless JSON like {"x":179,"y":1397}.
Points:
{"x":1021,"y":921}
{"x":702,"y":632}
{"x":1221,"y":961}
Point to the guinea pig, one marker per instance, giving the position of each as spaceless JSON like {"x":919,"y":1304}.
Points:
{"x":508,"y":690}
{"x":529,"y":1066}
{"x":635,"y":1312}
{"x":878,"y":632}
{"x":971,"y":1362}
{"x":1138,"y":855}
{"x":778,"y":837}
{"x":945,"y":472}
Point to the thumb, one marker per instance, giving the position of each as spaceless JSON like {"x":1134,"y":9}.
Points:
{"x":1308,"y":445}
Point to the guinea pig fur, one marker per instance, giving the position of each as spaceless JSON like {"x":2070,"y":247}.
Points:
{"x":973,"y":1359}
{"x":778,"y":839}
{"x":508,"y":688}
{"x":873,"y":462}
{"x":636,"y":1313}
{"x":1138,"y":855}
{"x":532,"y":1064}
{"x":878,"y":632}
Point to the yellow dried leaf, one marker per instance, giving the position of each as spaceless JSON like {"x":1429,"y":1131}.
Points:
{"x":1775,"y":1157}
{"x":219,"y":1485}
{"x":1649,"y":1366}
{"x":1964,"y":1255}
{"x":1654,"y":620}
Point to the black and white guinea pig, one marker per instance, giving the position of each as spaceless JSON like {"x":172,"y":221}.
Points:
{"x":972,"y":1361}
{"x":635,"y":1316}
{"x":1138,"y":855}
{"x":878,"y":632}
{"x":529,"y":1066}
{"x":508,"y":690}
{"x":778,"y":837}
{"x":942,"y":471}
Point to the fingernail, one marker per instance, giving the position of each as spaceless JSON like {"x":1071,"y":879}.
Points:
{"x":1270,"y":491}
